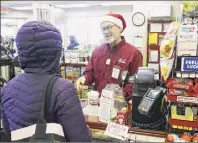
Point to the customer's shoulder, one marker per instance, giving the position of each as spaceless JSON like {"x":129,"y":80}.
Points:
{"x":63,"y":84}
{"x":7,"y":86}
{"x":12,"y":81}
{"x":64,"y":90}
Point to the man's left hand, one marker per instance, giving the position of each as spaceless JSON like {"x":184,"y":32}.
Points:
{"x":127,"y":97}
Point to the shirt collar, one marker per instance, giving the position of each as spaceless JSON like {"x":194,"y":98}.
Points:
{"x":120,"y":44}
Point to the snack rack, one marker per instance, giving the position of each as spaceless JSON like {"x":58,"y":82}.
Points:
{"x":182,"y":119}
{"x":183,"y":109}
{"x":177,"y":124}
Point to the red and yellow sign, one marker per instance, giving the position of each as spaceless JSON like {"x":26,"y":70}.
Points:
{"x":4,"y":10}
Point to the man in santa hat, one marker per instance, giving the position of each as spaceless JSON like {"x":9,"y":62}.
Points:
{"x":111,"y":58}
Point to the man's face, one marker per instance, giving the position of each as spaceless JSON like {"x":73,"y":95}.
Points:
{"x":110,"y":31}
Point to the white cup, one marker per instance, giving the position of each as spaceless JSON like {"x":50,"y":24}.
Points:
{"x":93,"y":98}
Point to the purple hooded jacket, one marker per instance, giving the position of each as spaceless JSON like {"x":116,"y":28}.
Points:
{"x":39,"y":47}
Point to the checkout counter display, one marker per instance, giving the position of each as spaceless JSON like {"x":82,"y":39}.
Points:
{"x":150,"y":102}
{"x":113,"y":107}
{"x":112,"y":100}
{"x":147,"y":102}
{"x":144,"y":79}
{"x":183,"y":115}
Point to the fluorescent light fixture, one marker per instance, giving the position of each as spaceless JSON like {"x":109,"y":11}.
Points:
{"x":73,"y":5}
{"x":22,"y":7}
{"x":117,"y":3}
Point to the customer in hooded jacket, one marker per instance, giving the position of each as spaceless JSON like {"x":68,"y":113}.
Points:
{"x":39,"y":47}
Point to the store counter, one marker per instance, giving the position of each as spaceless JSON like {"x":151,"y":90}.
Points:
{"x":134,"y":134}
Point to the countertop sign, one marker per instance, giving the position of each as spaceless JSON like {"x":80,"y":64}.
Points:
{"x":188,"y":33}
{"x":189,"y":64}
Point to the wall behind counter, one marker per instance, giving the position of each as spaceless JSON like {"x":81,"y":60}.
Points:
{"x":126,"y":11}
{"x":16,"y":14}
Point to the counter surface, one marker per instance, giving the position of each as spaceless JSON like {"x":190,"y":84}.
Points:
{"x":92,"y":119}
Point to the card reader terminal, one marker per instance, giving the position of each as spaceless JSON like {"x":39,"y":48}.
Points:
{"x":150,"y":101}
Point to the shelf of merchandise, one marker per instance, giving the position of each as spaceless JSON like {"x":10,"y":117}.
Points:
{"x":73,"y":64}
{"x":182,"y":123}
{"x":176,"y":126}
{"x":192,"y":124}
{"x":5,"y":62}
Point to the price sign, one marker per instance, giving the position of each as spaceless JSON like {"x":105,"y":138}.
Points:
{"x":106,"y":100}
{"x":187,"y":99}
{"x":117,"y":131}
{"x":188,"y":33}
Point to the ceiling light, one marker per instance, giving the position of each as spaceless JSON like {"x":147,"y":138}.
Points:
{"x":22,"y":8}
{"x":117,"y":3}
{"x":73,"y":5}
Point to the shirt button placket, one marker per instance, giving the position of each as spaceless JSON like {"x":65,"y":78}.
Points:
{"x":108,"y":77}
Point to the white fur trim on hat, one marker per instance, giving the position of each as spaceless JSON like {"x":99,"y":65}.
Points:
{"x":114,"y":20}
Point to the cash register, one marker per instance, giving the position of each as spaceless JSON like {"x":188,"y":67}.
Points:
{"x":147,"y":100}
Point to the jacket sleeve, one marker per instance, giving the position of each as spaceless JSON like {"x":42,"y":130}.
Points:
{"x":89,"y":71}
{"x":4,"y":117}
{"x":5,"y":123}
{"x":133,"y":68}
{"x":70,"y":115}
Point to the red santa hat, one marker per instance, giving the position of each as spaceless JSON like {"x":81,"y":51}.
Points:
{"x":117,"y":19}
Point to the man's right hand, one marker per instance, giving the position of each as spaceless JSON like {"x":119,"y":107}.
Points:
{"x":80,"y":83}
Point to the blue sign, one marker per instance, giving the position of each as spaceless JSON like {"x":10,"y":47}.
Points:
{"x":189,"y":64}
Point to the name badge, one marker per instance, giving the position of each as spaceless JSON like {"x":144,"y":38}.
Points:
{"x":115,"y":73}
{"x":108,"y":61}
